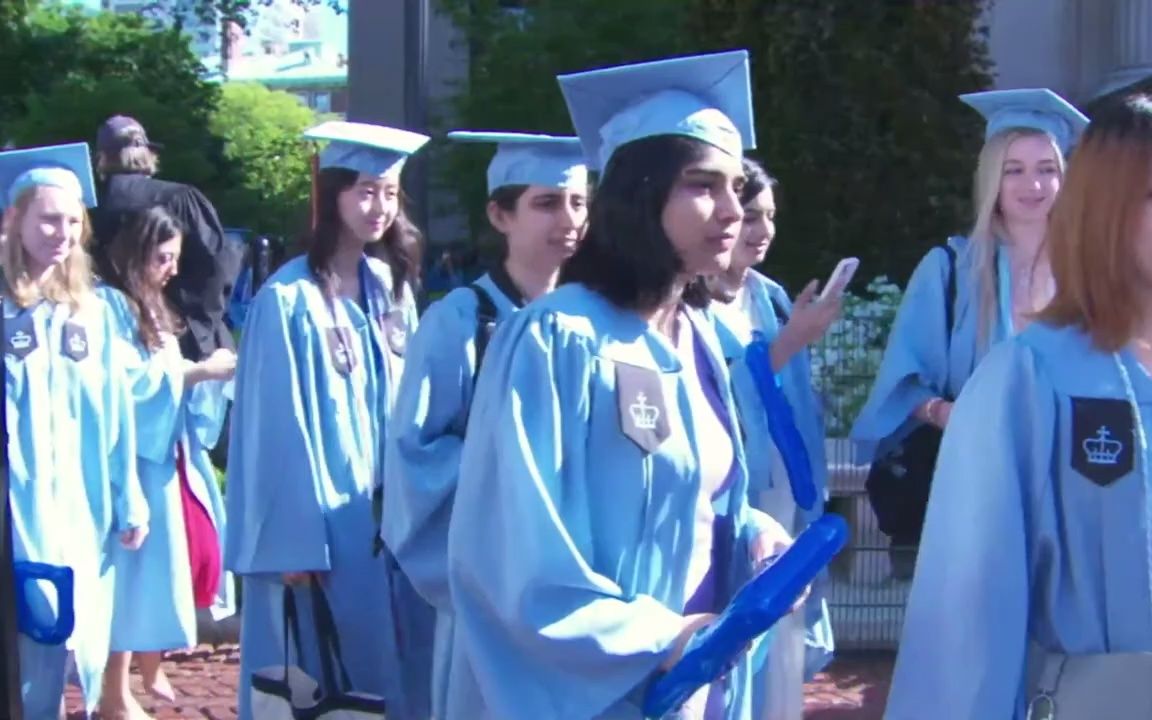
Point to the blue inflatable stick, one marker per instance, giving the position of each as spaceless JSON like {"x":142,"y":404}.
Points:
{"x":763,"y":601}
{"x":781,"y":422}
{"x":63,"y":580}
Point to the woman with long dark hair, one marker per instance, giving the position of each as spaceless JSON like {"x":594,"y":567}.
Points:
{"x":319,"y":361}
{"x":180,"y":409}
{"x":748,"y":302}
{"x":538,"y":195}
{"x":601,"y":516}
{"x":1033,"y":587}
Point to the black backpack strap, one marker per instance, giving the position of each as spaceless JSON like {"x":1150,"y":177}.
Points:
{"x":485,"y":324}
{"x":950,"y":298}
{"x":950,"y":307}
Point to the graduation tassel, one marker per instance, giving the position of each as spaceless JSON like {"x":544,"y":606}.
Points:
{"x":315,"y":190}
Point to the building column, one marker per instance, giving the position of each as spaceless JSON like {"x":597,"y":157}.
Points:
{"x":404,"y":60}
{"x":376,"y":69}
{"x":1131,"y":43}
{"x":387,"y":81}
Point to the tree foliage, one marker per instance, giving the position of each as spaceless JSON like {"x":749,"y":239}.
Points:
{"x":68,"y":71}
{"x":856,"y":106}
{"x":71,"y":70}
{"x":240,"y":12}
{"x":515,"y":57}
{"x":268,"y":165}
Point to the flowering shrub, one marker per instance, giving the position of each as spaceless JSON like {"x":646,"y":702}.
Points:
{"x":845,"y":362}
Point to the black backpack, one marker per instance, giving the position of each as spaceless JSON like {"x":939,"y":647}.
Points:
{"x":900,"y":482}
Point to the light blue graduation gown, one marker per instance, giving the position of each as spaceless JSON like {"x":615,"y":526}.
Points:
{"x":920,"y":362}
{"x":1028,"y":539}
{"x":795,"y":380}
{"x":425,"y":437}
{"x":569,"y":544}
{"x":73,"y":479}
{"x":155,"y":609}
{"x":304,"y":461}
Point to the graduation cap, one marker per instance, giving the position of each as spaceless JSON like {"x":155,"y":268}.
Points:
{"x":64,"y":166}
{"x":373,"y":150}
{"x":1032,"y":108}
{"x":707,"y":97}
{"x":529,"y":159}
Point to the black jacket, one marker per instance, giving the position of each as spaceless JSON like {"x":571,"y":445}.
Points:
{"x":209,"y":262}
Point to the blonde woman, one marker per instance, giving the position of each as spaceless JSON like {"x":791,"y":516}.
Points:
{"x":962,"y":299}
{"x":1032,"y":600}
{"x":74,"y":489}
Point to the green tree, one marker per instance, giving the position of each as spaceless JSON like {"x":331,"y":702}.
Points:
{"x":238,"y":11}
{"x":71,"y":70}
{"x":515,"y":57}
{"x":269,"y":168}
{"x":858,"y":117}
{"x":72,"y":110}
{"x":856,"y":106}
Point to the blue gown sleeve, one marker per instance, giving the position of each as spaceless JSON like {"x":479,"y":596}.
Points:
{"x":425,"y":437}
{"x":546,"y":635}
{"x":129,"y":503}
{"x":411,"y":314}
{"x":157,"y":384}
{"x":205,"y":407}
{"x":964,"y":644}
{"x":915,"y":364}
{"x":276,"y":520}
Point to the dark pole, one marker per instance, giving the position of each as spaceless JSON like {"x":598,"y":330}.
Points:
{"x":260,"y":254}
{"x":11,"y":708}
{"x":416,"y":101}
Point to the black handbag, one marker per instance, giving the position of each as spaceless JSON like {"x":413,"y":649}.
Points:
{"x":286,"y":692}
{"x":900,"y":481}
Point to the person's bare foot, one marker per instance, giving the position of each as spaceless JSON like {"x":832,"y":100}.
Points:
{"x":161,"y":688}
{"x":154,"y":678}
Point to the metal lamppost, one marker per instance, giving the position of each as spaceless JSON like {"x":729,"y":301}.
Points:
{"x":11,"y":707}
{"x":416,"y":99}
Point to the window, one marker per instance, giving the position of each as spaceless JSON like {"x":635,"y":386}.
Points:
{"x":322,"y":102}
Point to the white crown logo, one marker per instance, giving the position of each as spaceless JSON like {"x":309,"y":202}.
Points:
{"x":21,"y":340}
{"x":77,"y":344}
{"x":644,"y":416}
{"x":1102,"y":450}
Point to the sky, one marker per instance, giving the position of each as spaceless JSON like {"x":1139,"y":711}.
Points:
{"x":335,"y":27}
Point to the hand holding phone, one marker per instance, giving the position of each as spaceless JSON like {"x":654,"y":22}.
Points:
{"x":840,"y":277}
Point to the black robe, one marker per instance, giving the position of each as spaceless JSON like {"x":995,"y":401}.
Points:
{"x":209,"y":262}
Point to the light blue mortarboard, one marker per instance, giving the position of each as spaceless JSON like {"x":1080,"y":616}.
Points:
{"x":63,"y":166}
{"x":373,"y":150}
{"x":527,"y":159}
{"x":708,"y":97}
{"x":1034,"y":108}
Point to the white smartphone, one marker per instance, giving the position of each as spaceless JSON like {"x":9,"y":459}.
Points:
{"x":840,"y":277}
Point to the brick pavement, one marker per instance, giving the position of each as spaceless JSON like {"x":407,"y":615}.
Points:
{"x":855,"y":687}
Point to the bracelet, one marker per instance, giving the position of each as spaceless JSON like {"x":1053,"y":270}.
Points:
{"x":930,"y":411}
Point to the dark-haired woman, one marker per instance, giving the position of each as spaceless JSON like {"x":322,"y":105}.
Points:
{"x":319,"y":359}
{"x":538,"y":195}
{"x":601,"y":516}
{"x":179,"y":409}
{"x":748,"y":302}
